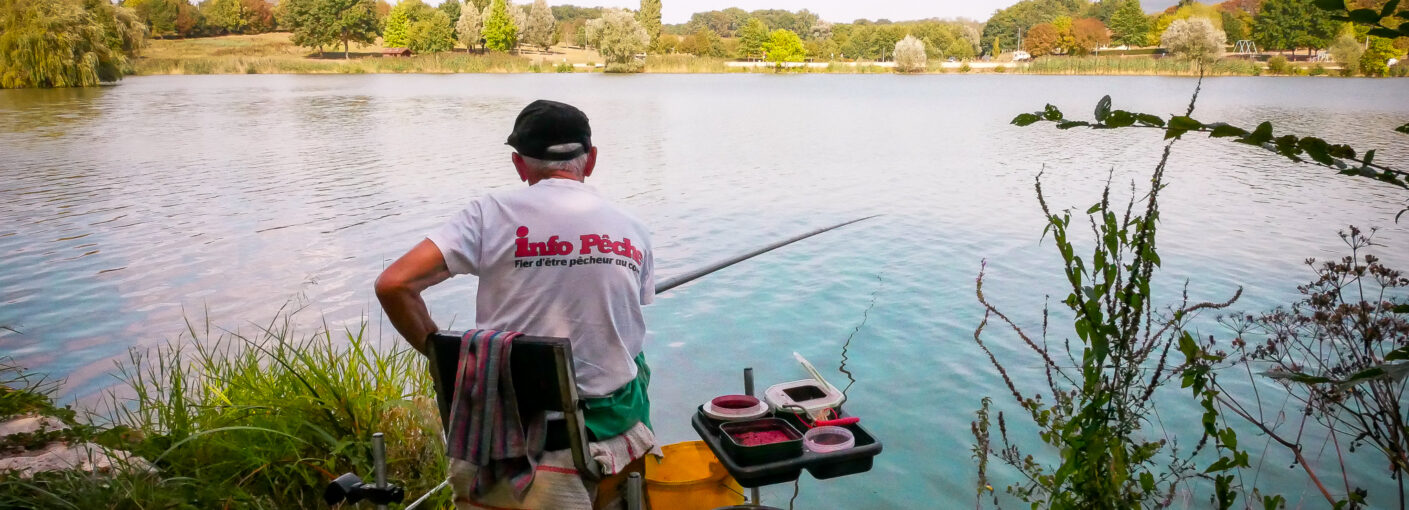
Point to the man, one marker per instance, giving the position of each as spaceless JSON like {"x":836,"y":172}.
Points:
{"x":553,"y":259}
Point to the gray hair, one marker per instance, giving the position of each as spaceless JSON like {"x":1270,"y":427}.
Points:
{"x":544,"y":167}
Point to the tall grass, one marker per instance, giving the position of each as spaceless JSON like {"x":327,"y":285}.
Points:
{"x":258,"y":421}
{"x":1141,"y":66}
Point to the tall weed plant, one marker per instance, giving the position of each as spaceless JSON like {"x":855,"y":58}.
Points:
{"x":272,"y":417}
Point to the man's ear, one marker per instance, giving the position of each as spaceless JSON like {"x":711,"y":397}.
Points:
{"x":591,"y":162}
{"x":520,"y":167}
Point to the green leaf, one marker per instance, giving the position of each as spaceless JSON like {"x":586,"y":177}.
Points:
{"x":1119,"y":119}
{"x":1184,"y":123}
{"x":1287,"y":146}
{"x":1052,"y":113}
{"x":1149,"y":120}
{"x":1399,"y":354}
{"x":1259,"y":136}
{"x":1071,"y":124}
{"x":1331,"y":5}
{"x":1343,"y":151}
{"x":1222,"y":130}
{"x":1401,"y":308}
{"x":1405,"y":128}
{"x":1222,"y":464}
{"x":1388,"y":9}
{"x":1365,"y":16}
{"x":1369,"y":157}
{"x":1103,"y":109}
{"x":1026,"y":119}
{"x":1387,"y":33}
{"x":1174,"y":133}
{"x":1318,"y":149}
{"x":1298,"y":377}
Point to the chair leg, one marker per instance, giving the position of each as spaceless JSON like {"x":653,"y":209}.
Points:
{"x":634,"y":499}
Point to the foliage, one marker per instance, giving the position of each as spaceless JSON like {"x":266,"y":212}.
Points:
{"x":1141,"y":66}
{"x":1375,"y":60}
{"x":1087,"y":34}
{"x":1278,"y":64}
{"x":621,"y":39}
{"x":1101,"y":388}
{"x":960,"y":49}
{"x":500,"y":32}
{"x":66,"y":43}
{"x":1340,"y":352}
{"x":539,"y":27}
{"x":320,"y":23}
{"x":432,"y":35}
{"x":649,"y":17}
{"x":784,"y":46}
{"x":396,"y":33}
{"x":452,"y":10}
{"x":909,"y":55}
{"x":703,"y":43}
{"x":1194,"y":39}
{"x":1130,"y":25}
{"x":1043,"y":39}
{"x":752,"y":36}
{"x":1346,"y":51}
{"x":1382,"y":22}
{"x":725,"y":22}
{"x":1005,"y":24}
{"x":1291,"y":24}
{"x":469,"y":28}
{"x":238,"y":16}
{"x":169,"y":17}
{"x":1233,"y":28}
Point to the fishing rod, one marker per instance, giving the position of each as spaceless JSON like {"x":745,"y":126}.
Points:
{"x":351,"y":488}
{"x":679,"y":280}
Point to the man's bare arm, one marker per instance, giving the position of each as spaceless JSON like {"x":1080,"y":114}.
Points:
{"x":399,"y":290}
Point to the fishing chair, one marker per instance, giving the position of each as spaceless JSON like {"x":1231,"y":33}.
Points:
{"x":544,"y":379}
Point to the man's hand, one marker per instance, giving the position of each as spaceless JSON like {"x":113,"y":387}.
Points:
{"x":399,"y":290}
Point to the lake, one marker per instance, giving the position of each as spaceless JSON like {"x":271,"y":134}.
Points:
{"x":126,"y":210}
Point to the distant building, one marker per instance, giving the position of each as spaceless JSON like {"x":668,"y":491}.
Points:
{"x":396,"y":52}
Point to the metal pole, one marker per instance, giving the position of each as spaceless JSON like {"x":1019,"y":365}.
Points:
{"x":748,"y":390}
{"x":633,"y":491}
{"x":692,"y":275}
{"x":379,"y":461}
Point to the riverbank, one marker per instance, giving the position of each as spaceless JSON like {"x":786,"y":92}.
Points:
{"x":273,"y":53}
{"x":224,"y":421}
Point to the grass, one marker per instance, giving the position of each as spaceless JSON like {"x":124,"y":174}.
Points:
{"x":261,"y":421}
{"x":1139,"y":66}
{"x":273,"y":53}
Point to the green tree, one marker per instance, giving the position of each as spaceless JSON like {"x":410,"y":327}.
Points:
{"x":1292,"y":24}
{"x":704,"y":43}
{"x":1130,"y":25}
{"x":1347,"y":51}
{"x":432,"y":35}
{"x":619,"y":37}
{"x":452,"y":9}
{"x":1233,"y":27}
{"x":1006,"y":24}
{"x":160,"y":16}
{"x":960,"y":49}
{"x":321,"y":23}
{"x":1375,"y":60}
{"x":784,"y":46}
{"x":500,"y":32}
{"x":469,"y":29}
{"x":66,"y":43}
{"x":398,"y":24}
{"x":752,"y":35}
{"x":649,"y":17}
{"x":480,"y":5}
{"x":540,"y":27}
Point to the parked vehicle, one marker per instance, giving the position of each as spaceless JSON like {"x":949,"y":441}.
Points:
{"x":1021,"y":56}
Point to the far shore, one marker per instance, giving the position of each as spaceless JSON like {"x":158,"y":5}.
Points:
{"x":273,"y":53}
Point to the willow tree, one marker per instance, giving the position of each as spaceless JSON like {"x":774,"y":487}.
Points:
{"x":1195,"y":39}
{"x":540,"y":27}
{"x":469,"y":28}
{"x":620,"y":38}
{"x":910,"y":55}
{"x":66,"y":43}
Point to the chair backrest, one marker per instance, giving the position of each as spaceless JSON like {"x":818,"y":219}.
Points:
{"x":544,"y":380}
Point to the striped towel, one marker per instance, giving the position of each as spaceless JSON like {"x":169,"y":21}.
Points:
{"x":485,"y":427}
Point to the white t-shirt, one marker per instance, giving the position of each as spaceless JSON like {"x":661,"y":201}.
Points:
{"x":557,"y":259}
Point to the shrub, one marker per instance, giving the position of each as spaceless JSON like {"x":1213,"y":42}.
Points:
{"x":1279,"y":65}
{"x":1319,"y":70}
{"x":964,"y":68}
{"x":1000,"y":69}
{"x":909,"y":55}
{"x":1194,"y":39}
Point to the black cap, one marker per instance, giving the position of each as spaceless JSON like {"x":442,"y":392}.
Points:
{"x":543,"y":124}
